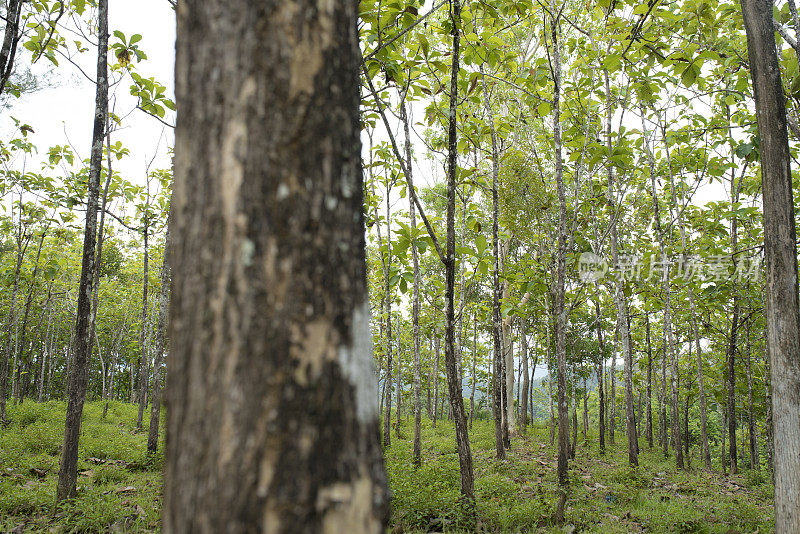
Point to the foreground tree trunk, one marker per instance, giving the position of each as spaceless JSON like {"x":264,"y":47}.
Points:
{"x":780,"y":250}
{"x":272,"y":424}
{"x":78,"y":378}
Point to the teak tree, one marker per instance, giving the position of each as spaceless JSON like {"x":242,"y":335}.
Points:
{"x":272,"y":424}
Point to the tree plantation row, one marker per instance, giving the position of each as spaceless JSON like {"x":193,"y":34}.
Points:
{"x":403,"y":247}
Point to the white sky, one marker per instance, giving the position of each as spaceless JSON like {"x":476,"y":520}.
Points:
{"x":69,"y":106}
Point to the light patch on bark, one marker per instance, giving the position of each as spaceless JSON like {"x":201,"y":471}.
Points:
{"x":348,"y":506}
{"x":265,"y":474}
{"x":358,"y":364}
{"x":308,"y":49}
{"x":311,"y":346}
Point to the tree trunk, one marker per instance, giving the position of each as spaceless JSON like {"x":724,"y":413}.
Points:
{"x":751,"y":423}
{"x":436,"y":378}
{"x":559,"y":308}
{"x":272,"y":424}
{"x":600,"y":378}
{"x":523,"y":410}
{"x":731,"y":355}
{"x":78,"y":378}
{"x":649,"y":407}
{"x":415,"y":307}
{"x":780,"y":251}
{"x":22,"y":245}
{"x":704,"y":451}
{"x":11,"y":38}
{"x":453,"y":379}
{"x":163,"y":310}
{"x":142,"y":396}
{"x":474,"y":364}
{"x":497,"y":401}
{"x":387,"y":415}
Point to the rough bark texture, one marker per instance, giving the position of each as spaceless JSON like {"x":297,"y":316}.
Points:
{"x":453,"y":378}
{"x":272,"y":424}
{"x":780,"y":250}
{"x":559,"y":308}
{"x":78,"y":378}
{"x":11,"y":38}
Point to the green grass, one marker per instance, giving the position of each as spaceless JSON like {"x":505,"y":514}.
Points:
{"x":605,"y":495}
{"x":119,"y":488}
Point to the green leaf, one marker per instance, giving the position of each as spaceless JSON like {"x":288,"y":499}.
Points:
{"x":544,"y":109}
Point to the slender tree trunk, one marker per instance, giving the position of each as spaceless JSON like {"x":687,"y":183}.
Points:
{"x":11,"y":38}
{"x":142,"y":395}
{"x":387,"y":416}
{"x":751,"y":423}
{"x":453,"y":379}
{"x":163,"y":310}
{"x":523,"y":411}
{"x":436,"y":378}
{"x":649,"y":407}
{"x":559,"y":308}
{"x":474,"y":365}
{"x":704,"y":451}
{"x":780,"y":251}
{"x":22,"y":246}
{"x":78,"y":379}
{"x":272,"y":424}
{"x":600,"y":378}
{"x":22,"y":388}
{"x":667,"y":311}
{"x":731,"y":355}
{"x":612,"y":396}
{"x":497,"y":408}
{"x":415,"y":308}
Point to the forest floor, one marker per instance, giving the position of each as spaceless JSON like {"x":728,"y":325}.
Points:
{"x":119,"y":488}
{"x":520,"y":494}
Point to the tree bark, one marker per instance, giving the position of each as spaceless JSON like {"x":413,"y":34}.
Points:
{"x":78,"y":378}
{"x":497,"y":408}
{"x":272,"y":424}
{"x":559,"y":308}
{"x":780,"y":251}
{"x":453,"y":379}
